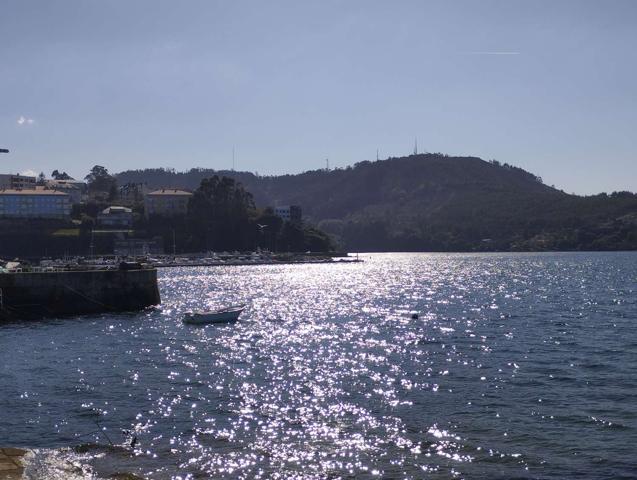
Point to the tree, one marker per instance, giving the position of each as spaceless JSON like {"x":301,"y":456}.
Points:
{"x":219,"y":215}
{"x":112,"y":192}
{"x":291,"y":238}
{"x":99,"y":180}
{"x":41,"y":179}
{"x":316,"y":241}
{"x":268,"y":225}
{"x":56,"y":175}
{"x":133,"y":192}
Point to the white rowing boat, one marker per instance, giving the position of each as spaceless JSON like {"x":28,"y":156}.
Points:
{"x":225,"y":315}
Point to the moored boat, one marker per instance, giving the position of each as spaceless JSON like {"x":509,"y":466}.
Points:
{"x":224,"y":315}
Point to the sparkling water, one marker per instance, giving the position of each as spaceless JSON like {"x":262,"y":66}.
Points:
{"x":518,"y":366}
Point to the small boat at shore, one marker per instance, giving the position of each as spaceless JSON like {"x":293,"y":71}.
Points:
{"x":224,"y":315}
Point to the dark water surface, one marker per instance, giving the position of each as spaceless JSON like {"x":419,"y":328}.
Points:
{"x":520,"y":366}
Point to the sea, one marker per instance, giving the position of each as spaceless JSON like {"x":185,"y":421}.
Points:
{"x":515,"y":366}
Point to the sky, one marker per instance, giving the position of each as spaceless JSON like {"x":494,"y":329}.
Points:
{"x":549,"y":86}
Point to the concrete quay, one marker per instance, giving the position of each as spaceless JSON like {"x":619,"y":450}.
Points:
{"x":26,"y":295}
{"x":11,"y":466}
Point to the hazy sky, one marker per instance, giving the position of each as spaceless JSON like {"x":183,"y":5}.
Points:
{"x":546,"y":85}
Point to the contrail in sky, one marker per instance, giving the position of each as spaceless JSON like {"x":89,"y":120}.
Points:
{"x":493,"y":53}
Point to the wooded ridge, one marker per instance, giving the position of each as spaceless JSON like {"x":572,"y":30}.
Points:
{"x":434,"y":202}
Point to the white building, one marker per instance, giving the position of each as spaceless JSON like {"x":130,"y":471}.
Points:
{"x":16,"y":182}
{"x":167,"y":202}
{"x":115,"y":216}
{"x":32,"y":203}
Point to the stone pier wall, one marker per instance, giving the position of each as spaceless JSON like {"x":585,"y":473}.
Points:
{"x":27,"y":295}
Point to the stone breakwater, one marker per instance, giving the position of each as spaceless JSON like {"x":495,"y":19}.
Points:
{"x":44,"y":294}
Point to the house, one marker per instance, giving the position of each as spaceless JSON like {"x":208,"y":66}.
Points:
{"x":115,"y":216}
{"x":166,"y":202}
{"x":16,"y":182}
{"x":289,"y":213}
{"x":34,"y":203}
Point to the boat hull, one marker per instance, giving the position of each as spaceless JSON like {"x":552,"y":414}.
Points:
{"x":217,"y":317}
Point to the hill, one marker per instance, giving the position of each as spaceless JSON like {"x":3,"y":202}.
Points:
{"x":434,"y":202}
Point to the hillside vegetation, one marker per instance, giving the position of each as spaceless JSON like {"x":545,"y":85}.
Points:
{"x":434,"y":202}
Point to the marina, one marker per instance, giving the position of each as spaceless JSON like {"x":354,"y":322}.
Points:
{"x":211,"y":259}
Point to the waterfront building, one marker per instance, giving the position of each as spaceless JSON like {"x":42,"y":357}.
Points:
{"x":289,"y":213}
{"x":34,"y":203}
{"x":16,"y":182}
{"x":115,"y":216}
{"x":166,"y":202}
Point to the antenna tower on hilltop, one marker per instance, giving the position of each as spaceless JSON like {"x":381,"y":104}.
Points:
{"x":416,"y":146}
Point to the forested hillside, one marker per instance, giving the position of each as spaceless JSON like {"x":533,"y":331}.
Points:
{"x":434,"y":202}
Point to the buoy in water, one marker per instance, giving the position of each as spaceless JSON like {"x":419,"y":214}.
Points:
{"x":414,"y":316}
